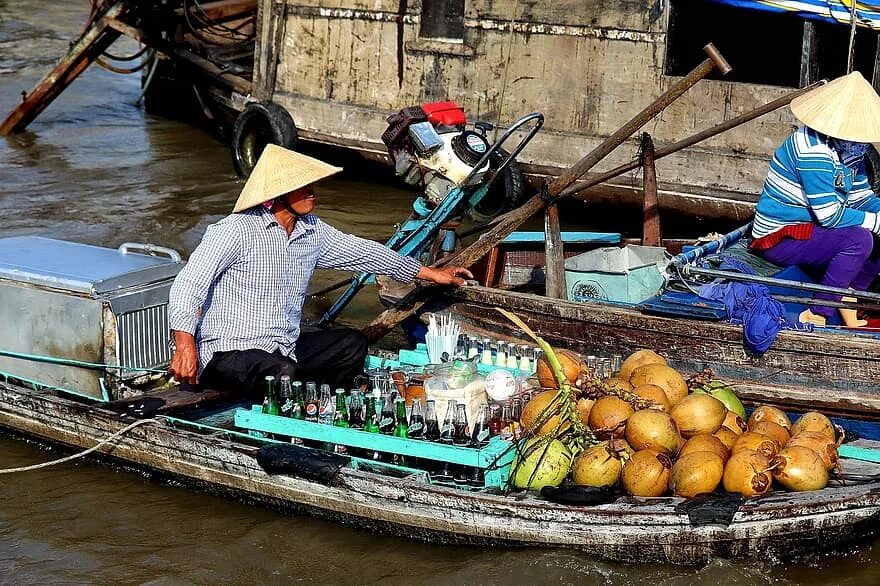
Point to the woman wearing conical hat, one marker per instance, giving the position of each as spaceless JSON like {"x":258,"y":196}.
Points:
{"x":235,"y":308}
{"x":817,"y":208}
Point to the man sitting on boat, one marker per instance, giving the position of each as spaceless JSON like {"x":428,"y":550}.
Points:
{"x":817,"y":208}
{"x":235,"y":308}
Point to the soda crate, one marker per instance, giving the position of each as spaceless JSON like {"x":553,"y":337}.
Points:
{"x":494,"y":459}
{"x":419,"y":358}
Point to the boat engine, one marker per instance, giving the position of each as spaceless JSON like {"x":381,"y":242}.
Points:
{"x":432,"y":150}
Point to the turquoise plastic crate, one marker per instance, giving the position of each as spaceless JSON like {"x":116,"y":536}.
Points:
{"x":494,"y":459}
{"x":419,"y":357}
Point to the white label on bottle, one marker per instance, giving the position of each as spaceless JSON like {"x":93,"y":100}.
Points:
{"x":483,"y":435}
{"x":415,"y":428}
{"x":385,"y":422}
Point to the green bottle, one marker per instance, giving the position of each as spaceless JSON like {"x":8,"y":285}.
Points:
{"x":370,"y":424}
{"x":402,"y":427}
{"x":270,"y":401}
{"x":340,"y":417}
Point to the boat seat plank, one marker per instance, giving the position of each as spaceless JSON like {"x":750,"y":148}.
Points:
{"x":167,"y":401}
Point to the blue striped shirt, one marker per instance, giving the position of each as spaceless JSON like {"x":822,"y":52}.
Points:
{"x":808,"y":183}
{"x":245,"y":284}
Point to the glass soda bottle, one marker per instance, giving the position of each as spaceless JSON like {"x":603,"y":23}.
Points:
{"x":286,"y":403}
{"x":401,"y":427}
{"x":370,"y":424}
{"x":340,"y":414}
{"x":311,"y":402}
{"x":386,"y":419}
{"x":481,"y":432}
{"x":496,"y":422}
{"x":460,"y":436}
{"x":356,"y":410}
{"x":270,"y":401}
{"x":432,"y":426}
{"x":326,"y":406}
{"x":416,"y":428}
{"x":299,"y":408}
{"x":447,"y":431}
{"x":508,"y":424}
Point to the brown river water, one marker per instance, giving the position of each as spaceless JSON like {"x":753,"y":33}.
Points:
{"x":95,"y":168}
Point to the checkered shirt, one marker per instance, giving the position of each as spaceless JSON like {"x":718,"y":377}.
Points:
{"x":249,"y":279}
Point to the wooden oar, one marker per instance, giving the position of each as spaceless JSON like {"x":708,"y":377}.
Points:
{"x":510,"y":221}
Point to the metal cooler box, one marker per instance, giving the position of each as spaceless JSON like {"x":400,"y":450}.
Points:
{"x":88,"y":303}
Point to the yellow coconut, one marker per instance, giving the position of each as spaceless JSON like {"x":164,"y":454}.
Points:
{"x":665,"y":377}
{"x":637,"y":359}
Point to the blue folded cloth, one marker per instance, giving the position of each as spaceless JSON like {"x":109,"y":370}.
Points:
{"x":750,"y":304}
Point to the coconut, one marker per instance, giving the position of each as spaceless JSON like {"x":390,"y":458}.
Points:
{"x":746,"y":473}
{"x":609,"y":414}
{"x":771,"y":429}
{"x":540,"y":462}
{"x":543,"y":407}
{"x":705,"y":443}
{"x":764,"y":445}
{"x":800,"y":469}
{"x":646,"y":473}
{"x":597,"y":466}
{"x":724,"y":393}
{"x":768,"y":413}
{"x":655,"y":395}
{"x":727,"y":436}
{"x":819,"y":443}
{"x":637,"y":359}
{"x":665,"y":377}
{"x":734,"y":423}
{"x":650,"y":429}
{"x":696,"y":473}
{"x":571,"y":367}
{"x":697,"y":414}
{"x":816,"y":422}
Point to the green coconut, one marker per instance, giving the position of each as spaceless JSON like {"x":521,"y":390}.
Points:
{"x":724,"y":393}
{"x":540,"y":462}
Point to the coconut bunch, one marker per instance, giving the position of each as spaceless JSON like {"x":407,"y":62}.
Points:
{"x":650,"y":431}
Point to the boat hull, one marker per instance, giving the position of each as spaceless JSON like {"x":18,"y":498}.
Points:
{"x":782,"y":525}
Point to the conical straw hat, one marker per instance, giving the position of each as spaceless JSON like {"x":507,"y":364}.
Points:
{"x":280,"y":171}
{"x":847,"y":108}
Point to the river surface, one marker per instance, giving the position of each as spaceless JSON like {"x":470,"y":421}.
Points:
{"x":94,"y":168}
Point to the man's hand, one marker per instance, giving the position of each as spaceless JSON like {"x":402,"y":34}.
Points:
{"x":185,"y":362}
{"x":445,"y":275}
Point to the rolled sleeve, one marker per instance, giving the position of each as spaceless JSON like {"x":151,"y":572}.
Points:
{"x":345,"y":252}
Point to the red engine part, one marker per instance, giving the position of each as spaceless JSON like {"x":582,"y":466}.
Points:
{"x":445,"y":114}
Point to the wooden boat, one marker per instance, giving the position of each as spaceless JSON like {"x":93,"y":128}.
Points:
{"x":197,"y":445}
{"x":204,"y":438}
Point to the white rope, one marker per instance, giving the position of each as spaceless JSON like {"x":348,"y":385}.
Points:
{"x":103,"y":442}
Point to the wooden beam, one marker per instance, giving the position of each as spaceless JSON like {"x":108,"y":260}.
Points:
{"x":650,"y":208}
{"x":215,"y":74}
{"x":809,"y":50}
{"x":94,"y":41}
{"x":554,"y":259}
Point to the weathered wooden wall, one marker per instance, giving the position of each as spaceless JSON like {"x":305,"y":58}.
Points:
{"x":588,"y":66}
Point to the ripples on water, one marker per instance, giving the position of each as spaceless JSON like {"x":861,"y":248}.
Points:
{"x":94,"y":168}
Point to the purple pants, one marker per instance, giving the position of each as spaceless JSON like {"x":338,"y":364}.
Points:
{"x":848,"y":254}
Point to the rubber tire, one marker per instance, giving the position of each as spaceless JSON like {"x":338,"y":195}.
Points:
{"x":505,"y":194}
{"x":260,"y":123}
{"x":872,"y":168}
